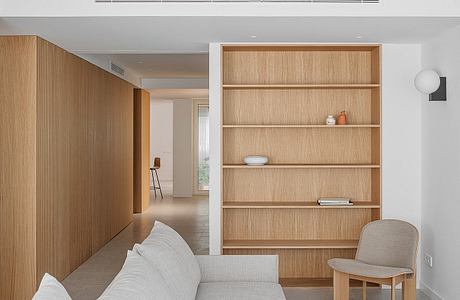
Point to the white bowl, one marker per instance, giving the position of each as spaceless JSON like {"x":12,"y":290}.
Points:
{"x":255,"y":160}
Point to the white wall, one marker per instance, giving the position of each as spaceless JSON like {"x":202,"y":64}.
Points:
{"x":161,"y":136}
{"x":441,"y":171}
{"x":183,"y":154}
{"x":401,"y":137}
{"x":401,"y":134}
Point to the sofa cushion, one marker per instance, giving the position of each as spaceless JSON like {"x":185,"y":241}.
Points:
{"x":138,"y":279}
{"x":168,"y":252}
{"x":51,"y":289}
{"x":240,"y":290}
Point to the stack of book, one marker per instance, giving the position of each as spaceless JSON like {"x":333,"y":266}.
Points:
{"x":334,"y":201}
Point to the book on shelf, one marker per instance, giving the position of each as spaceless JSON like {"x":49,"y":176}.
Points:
{"x":335,"y":201}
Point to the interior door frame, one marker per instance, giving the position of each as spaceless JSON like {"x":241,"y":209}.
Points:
{"x":196,"y":103}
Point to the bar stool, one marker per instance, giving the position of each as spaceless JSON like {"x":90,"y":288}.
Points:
{"x":156,"y":166}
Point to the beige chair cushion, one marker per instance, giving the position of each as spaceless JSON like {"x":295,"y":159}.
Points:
{"x":356,"y":267}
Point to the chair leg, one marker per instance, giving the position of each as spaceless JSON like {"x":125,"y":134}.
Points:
{"x":409,"y":288}
{"x":364,"y":290}
{"x":393,"y":289}
{"x":341,"y":286}
{"x":159,"y":185}
{"x":153,"y":181}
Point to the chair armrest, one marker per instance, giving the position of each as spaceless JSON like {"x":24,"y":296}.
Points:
{"x":261,"y":268}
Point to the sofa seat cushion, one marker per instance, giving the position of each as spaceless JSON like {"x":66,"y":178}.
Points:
{"x":234,"y":290}
{"x":171,"y":255}
{"x":137,"y":280}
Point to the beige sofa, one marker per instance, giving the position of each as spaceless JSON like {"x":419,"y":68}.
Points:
{"x":163,"y":267}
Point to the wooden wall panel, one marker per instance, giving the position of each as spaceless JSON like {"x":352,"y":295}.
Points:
{"x":17,"y":161}
{"x":121,"y":140}
{"x":296,"y":184}
{"x":296,"y":67}
{"x":294,"y":224}
{"x":63,"y":199}
{"x":66,"y":186}
{"x":100,"y":188}
{"x":141,"y":150}
{"x":298,"y":145}
{"x":295,"y":106}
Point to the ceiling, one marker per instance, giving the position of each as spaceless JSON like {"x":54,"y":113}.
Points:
{"x":176,"y":47}
{"x":163,"y":65}
{"x":165,"y":94}
{"x":169,"y":35}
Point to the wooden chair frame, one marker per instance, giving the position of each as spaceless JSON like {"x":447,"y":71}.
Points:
{"x":342,"y":285}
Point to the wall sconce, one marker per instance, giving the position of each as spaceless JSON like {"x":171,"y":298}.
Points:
{"x":429,"y":82}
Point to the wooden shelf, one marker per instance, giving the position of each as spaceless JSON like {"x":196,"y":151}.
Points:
{"x":289,"y":166}
{"x":290,"y":244}
{"x":301,"y":86}
{"x":290,"y":205}
{"x":302,"y":126}
{"x":318,"y":282}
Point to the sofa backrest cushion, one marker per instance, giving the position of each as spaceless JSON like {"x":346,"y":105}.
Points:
{"x":168,"y":251}
{"x":137,"y":280}
{"x":51,"y":289}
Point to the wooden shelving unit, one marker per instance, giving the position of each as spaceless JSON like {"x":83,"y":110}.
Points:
{"x":300,"y":86}
{"x":297,"y":166}
{"x":297,"y":204}
{"x":290,"y":244}
{"x":275,"y":100}
{"x":302,"y":126}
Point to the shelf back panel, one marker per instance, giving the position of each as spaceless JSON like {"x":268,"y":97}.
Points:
{"x":294,"y":224}
{"x":300,"y":263}
{"x":299,"y":145}
{"x":296,"y":106}
{"x":297,"y":67}
{"x":290,"y":185}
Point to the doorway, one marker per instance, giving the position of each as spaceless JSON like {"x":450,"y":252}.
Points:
{"x":201,"y":147}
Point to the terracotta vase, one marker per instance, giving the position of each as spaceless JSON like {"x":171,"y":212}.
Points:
{"x":342,"y":118}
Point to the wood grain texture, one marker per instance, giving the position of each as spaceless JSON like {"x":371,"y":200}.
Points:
{"x":300,"y":263}
{"x":295,"y":106}
{"x":292,"y":224}
{"x":18,"y":166}
{"x":298,"y":145}
{"x":299,"y":47}
{"x":67,"y":164}
{"x":84,"y":159}
{"x":341,"y":286}
{"x":296,"y":204}
{"x":296,"y":184}
{"x":63,"y":199}
{"x":301,"y":166}
{"x":290,"y":244}
{"x":275,"y":99}
{"x":303,"y":86}
{"x":141,"y":150}
{"x":297,"y":67}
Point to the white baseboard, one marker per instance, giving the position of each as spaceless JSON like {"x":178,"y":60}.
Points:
{"x":430,"y":292}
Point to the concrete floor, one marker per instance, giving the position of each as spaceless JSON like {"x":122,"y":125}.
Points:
{"x":189,"y":216}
